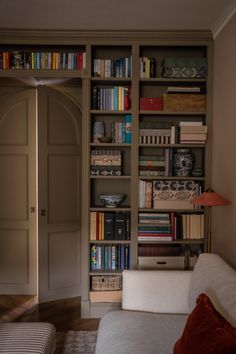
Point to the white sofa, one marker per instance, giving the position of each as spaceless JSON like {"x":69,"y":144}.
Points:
{"x":156,"y":304}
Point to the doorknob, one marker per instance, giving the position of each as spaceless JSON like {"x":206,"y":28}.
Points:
{"x":32,"y":209}
{"x":43,"y":212}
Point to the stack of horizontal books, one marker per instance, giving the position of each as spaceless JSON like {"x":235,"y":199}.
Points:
{"x":192,"y":133}
{"x":156,"y":227}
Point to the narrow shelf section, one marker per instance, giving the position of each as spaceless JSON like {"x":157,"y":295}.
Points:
{"x":175,"y":242}
{"x":170,"y":113}
{"x":110,"y":241}
{"x":110,"y":177}
{"x":109,"y":209}
{"x":106,"y":272}
{"x":41,"y":73}
{"x":110,"y":144}
{"x":171,"y":178}
{"x":181,"y":146}
{"x":98,"y":111}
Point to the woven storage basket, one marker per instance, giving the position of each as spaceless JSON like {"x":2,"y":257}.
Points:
{"x":107,"y":282}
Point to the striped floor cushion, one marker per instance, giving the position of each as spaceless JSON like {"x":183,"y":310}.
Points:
{"x":27,"y":338}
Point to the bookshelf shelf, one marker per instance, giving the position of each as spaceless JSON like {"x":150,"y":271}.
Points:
{"x":110,"y":242}
{"x":171,"y":178}
{"x":105,"y":272}
{"x":175,"y":242}
{"x":111,"y":177}
{"x":148,"y":210}
{"x":110,"y":209}
{"x":172,"y":80}
{"x":42,"y":73}
{"x":111,"y":145}
{"x":169,"y":113}
{"x":101,"y":112}
{"x":180,"y":146}
{"x":105,"y":80}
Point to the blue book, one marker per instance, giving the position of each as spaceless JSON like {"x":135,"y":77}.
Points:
{"x":128,"y":128}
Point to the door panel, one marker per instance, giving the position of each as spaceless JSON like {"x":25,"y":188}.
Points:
{"x":18,"y":231}
{"x":59,"y":122}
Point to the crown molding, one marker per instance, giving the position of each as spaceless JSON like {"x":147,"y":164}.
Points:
{"x":224,"y":20}
{"x":82,"y":37}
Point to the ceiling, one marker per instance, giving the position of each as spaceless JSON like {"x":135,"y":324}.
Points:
{"x":116,"y":14}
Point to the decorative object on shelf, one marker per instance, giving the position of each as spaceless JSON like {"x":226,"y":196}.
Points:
{"x":197,"y":172}
{"x":105,"y":162}
{"x":98,"y":131}
{"x":184,"y":67}
{"x":112,"y":200}
{"x":105,"y":139}
{"x":208,"y":199}
{"x":183,"y":162}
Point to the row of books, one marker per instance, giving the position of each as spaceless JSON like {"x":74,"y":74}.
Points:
{"x":147,"y":67}
{"x":165,"y":194}
{"x":117,"y":98}
{"x":121,"y":132}
{"x":42,"y":60}
{"x":187,"y":132}
{"x":109,"y":225}
{"x":118,"y":68}
{"x":162,"y":229}
{"x":109,"y":257}
{"x":105,"y":162}
{"x":156,"y":165}
{"x":170,"y":226}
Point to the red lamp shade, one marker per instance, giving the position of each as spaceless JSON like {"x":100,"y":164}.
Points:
{"x":210,"y":198}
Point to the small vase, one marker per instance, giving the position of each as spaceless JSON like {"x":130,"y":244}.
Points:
{"x":183,"y":162}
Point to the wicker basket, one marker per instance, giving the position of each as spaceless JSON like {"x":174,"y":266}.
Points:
{"x":107,"y":282}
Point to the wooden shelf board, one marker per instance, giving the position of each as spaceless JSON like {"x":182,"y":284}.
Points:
{"x":110,"y":177}
{"x":165,"y":113}
{"x":183,"y":146}
{"x":111,"y":79}
{"x":193,"y":241}
{"x":41,"y":73}
{"x":144,"y":210}
{"x":172,"y":79}
{"x":172,"y":178}
{"x":110,"y":209}
{"x":110,"y":241}
{"x":111,"y":144}
{"x":98,"y":111}
{"x":105,"y":272}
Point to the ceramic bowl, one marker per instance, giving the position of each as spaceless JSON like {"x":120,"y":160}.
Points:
{"x":112,"y":200}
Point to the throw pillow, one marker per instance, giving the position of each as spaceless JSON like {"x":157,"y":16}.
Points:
{"x":206,"y":331}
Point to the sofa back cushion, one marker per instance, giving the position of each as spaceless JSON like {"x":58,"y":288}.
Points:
{"x":214,"y":277}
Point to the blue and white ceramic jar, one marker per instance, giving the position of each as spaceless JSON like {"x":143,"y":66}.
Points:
{"x":183,"y":162}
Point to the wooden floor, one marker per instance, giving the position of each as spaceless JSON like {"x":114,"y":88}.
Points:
{"x":64,"y":314}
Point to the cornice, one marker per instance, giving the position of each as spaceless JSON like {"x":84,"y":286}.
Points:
{"x":25,"y":36}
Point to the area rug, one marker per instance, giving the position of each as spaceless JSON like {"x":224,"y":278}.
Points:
{"x":76,"y":342}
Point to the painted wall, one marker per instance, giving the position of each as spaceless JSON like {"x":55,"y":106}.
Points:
{"x":224,"y":142}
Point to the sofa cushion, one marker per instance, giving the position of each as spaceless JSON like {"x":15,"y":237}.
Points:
{"x":206,"y":331}
{"x":217,"y":279}
{"x":132,"y":332}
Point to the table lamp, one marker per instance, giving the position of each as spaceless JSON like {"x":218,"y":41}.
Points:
{"x":208,"y":199}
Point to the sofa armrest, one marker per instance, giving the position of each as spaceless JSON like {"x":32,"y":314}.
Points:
{"x":156,"y":291}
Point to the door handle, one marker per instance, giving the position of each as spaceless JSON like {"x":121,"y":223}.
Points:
{"x":32,"y":210}
{"x":43,"y":212}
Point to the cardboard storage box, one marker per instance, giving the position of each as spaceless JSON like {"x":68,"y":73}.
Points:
{"x":151,"y":104}
{"x":184,"y":102}
{"x":160,"y":262}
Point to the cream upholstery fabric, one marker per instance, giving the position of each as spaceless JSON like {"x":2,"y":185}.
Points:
{"x":156,"y":291}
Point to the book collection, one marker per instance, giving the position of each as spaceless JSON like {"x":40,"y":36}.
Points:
{"x":147,"y":67}
{"x":173,"y":195}
{"x":117,"y":68}
{"x":109,"y":257}
{"x":186,"y":132}
{"x":156,"y":227}
{"x":42,"y":60}
{"x":170,"y":226}
{"x":121,"y":132}
{"x":105,"y":163}
{"x":192,"y":133}
{"x":156,"y":165}
{"x":109,"y":225}
{"x":117,"y":98}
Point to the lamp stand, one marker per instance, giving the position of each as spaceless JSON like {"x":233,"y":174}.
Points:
{"x":209,"y":229}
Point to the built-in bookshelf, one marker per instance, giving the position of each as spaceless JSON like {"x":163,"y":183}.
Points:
{"x":146,"y":97}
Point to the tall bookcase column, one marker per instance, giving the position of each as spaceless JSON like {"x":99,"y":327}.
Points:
{"x":85,"y":256}
{"x":134,"y":153}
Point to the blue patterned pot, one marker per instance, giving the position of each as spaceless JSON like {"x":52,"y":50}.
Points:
{"x":183,"y":162}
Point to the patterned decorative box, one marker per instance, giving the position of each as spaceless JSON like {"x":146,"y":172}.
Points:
{"x":106,"y":282}
{"x":174,"y":194}
{"x":105,"y":163}
{"x":185,"y":67}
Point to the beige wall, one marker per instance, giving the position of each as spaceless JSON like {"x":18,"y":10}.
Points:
{"x":224,"y":142}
